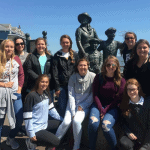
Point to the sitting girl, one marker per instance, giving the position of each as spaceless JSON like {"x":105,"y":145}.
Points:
{"x":36,"y":109}
{"x":80,"y":99}
{"x":108,"y":87}
{"x":136,"y":117}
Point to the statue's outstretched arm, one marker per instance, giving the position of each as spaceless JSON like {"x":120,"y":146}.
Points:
{"x":119,"y":45}
{"x":96,"y":36}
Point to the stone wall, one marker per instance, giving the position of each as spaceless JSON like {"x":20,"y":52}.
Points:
{"x":101,"y":143}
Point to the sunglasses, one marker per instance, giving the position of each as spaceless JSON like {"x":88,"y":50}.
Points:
{"x":128,"y":38}
{"x":17,"y":44}
{"x":113,"y":65}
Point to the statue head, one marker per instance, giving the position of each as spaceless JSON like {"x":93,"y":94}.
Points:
{"x":93,"y":43}
{"x":110,"y":32}
{"x":84,"y":18}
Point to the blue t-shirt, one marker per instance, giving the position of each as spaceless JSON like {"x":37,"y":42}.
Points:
{"x":42,"y":60}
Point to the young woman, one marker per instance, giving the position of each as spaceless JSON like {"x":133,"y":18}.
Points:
{"x":63,"y":67}
{"x":39,"y":62}
{"x":127,"y":46}
{"x":36,"y":109}
{"x":108,"y":89}
{"x":11,"y":82}
{"x":138,"y":66}
{"x":136,"y":117}
{"x":80,"y":99}
{"x":19,"y":49}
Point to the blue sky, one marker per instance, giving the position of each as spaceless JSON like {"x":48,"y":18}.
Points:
{"x":59,"y":17}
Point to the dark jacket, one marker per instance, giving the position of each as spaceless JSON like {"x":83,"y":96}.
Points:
{"x":142,"y":74}
{"x":138,"y":121}
{"x":33,"y":69}
{"x":62,"y":69}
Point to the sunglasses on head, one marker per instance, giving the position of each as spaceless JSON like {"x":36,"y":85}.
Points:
{"x":17,"y":44}
{"x":113,"y":65}
{"x":128,"y":38}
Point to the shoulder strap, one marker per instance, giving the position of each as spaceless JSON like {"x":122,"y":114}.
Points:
{"x":100,"y":79}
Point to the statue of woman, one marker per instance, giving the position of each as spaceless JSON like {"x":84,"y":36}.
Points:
{"x":84,"y":33}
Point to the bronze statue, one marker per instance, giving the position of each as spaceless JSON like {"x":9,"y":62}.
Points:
{"x":110,"y":46}
{"x":95,"y":57}
{"x":84,"y":33}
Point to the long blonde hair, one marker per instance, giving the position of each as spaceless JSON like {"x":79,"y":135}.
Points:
{"x":3,"y":58}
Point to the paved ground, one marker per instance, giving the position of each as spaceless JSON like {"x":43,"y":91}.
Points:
{"x":20,"y":140}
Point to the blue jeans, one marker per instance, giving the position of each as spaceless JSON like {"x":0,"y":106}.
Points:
{"x":62,"y":100}
{"x":107,"y":126}
{"x":18,"y":109}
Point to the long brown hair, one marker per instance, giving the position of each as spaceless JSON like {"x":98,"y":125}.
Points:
{"x":3,"y":58}
{"x":39,"y":79}
{"x":124,"y":105}
{"x":134,"y":55}
{"x":38,"y":39}
{"x":117,"y":74}
{"x":70,"y":48}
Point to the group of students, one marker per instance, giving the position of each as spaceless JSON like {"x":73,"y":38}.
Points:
{"x":107,"y":97}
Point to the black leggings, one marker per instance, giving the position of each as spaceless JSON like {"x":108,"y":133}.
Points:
{"x":47,"y":137}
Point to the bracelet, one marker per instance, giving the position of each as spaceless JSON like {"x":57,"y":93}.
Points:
{"x":5,"y":85}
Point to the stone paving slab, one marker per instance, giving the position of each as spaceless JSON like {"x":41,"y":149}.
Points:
{"x":20,"y":140}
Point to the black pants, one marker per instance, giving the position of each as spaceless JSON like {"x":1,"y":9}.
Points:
{"x":127,"y":144}
{"x":47,"y":137}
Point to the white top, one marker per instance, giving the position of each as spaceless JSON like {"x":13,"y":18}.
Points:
{"x":10,"y":74}
{"x":140,"y":102}
{"x":66,"y":55}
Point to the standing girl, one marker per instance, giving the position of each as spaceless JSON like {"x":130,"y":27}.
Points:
{"x":39,"y":62}
{"x":63,"y":68}
{"x":11,"y":82}
{"x":136,"y":117}
{"x":107,"y":94}
{"x":127,"y":46}
{"x":19,"y":49}
{"x":138,"y":66}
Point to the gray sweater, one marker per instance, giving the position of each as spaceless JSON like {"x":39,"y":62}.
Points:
{"x":80,"y":91}
{"x":6,"y":105}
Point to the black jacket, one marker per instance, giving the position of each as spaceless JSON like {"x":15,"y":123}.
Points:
{"x":138,"y":121}
{"x":33,"y":69}
{"x":62,"y":69}
{"x":142,"y":74}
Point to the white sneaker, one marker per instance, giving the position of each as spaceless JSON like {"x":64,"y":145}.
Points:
{"x":12,"y":143}
{"x":30,"y":145}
